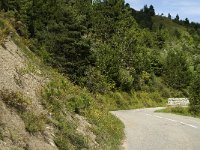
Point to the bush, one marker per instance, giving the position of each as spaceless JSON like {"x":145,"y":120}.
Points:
{"x":179,"y":110}
{"x":96,"y":82}
{"x":79,"y":102}
{"x":176,"y":110}
{"x":177,"y":73}
{"x":120,"y":101}
{"x":125,"y":79}
{"x":195,"y":94}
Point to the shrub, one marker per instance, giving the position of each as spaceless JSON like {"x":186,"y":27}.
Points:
{"x":176,"y":110}
{"x":195,"y":94}
{"x":177,"y":73}
{"x":119,"y":100}
{"x":125,"y":79}
{"x":79,"y":102}
{"x":179,"y":110}
{"x":96,"y":82}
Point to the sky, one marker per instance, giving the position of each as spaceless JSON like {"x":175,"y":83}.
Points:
{"x":184,"y":8}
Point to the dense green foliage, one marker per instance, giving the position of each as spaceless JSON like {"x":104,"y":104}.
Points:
{"x":177,"y":72}
{"x":126,"y":58}
{"x":195,"y":94}
{"x":125,"y":49}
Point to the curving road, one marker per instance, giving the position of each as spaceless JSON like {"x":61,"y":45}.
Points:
{"x":147,"y":130}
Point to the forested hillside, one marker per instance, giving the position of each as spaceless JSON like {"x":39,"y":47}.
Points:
{"x":125,"y":49}
{"x":123,"y":58}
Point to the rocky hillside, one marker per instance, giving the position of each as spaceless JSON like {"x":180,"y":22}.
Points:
{"x":16,"y":85}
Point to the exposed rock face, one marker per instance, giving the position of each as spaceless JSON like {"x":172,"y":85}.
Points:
{"x":84,"y":128}
{"x":10,"y":60}
{"x":13,"y":133}
{"x":17,"y":75}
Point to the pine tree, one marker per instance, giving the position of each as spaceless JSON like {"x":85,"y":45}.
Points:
{"x":104,"y":17}
{"x":186,"y":22}
{"x":4,"y":5}
{"x":176,"y":18}
{"x":169,"y":16}
{"x":55,"y":26}
{"x":151,"y":10}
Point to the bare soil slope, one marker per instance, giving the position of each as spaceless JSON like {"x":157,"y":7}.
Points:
{"x":13,"y":78}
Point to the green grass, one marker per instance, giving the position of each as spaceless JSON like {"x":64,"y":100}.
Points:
{"x":122,"y":100}
{"x":61,"y":96}
{"x":34,"y":123}
{"x":180,"y":111}
{"x":168,"y":24}
{"x":17,"y":148}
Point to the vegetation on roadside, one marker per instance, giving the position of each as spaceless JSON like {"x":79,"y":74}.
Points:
{"x":195,"y":93}
{"x":100,"y":56}
{"x":186,"y":111}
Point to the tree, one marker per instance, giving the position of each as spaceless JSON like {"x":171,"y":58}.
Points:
{"x":145,"y":9}
{"x":10,"y":4}
{"x":143,"y":18}
{"x":177,"y":18}
{"x":186,"y":22}
{"x":177,"y":73}
{"x":4,"y":5}
{"x":151,"y":10}
{"x":195,"y":94}
{"x":57,"y":26}
{"x":169,"y":16}
{"x":105,"y":14}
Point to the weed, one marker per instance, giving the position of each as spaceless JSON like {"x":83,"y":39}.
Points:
{"x":18,"y":101}
{"x":15,"y":100}
{"x":17,"y":148}
{"x":68,"y":139}
{"x":5,"y":29}
{"x":1,"y":135}
{"x":106,"y":127}
{"x":33,"y":122}
{"x":2,"y":127}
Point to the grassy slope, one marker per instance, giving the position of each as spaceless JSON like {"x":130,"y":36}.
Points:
{"x":61,"y":98}
{"x":179,"y":111}
{"x":167,"y":23}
